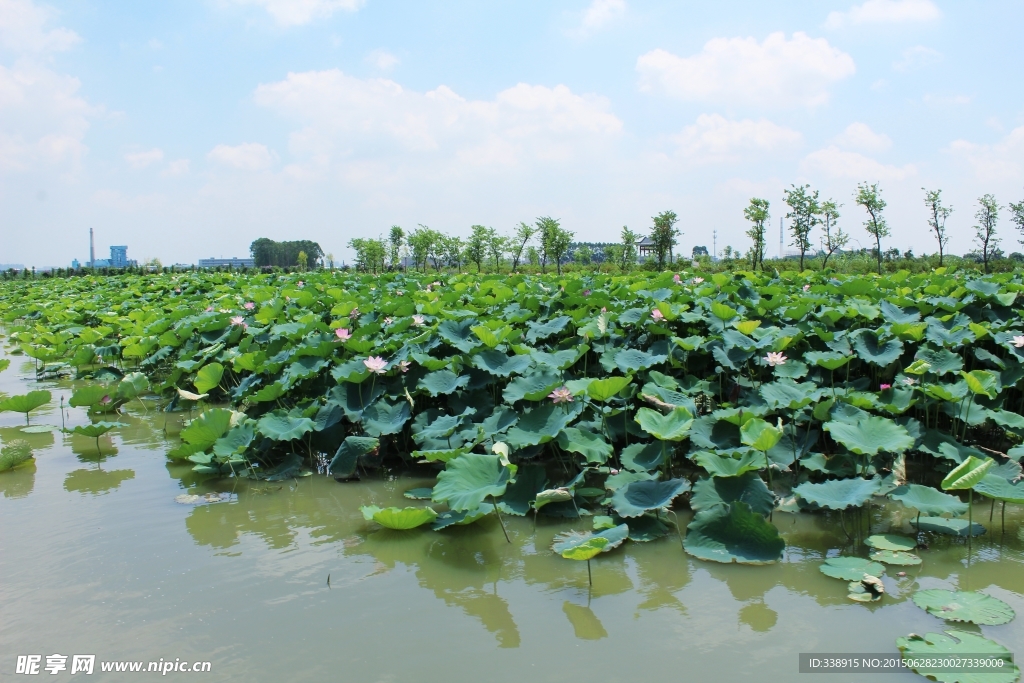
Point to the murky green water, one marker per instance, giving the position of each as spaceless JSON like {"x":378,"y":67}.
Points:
{"x":96,"y":557}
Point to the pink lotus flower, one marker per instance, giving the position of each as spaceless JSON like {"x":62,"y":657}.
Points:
{"x":209,"y":308}
{"x":354,"y":313}
{"x":676,"y":279}
{"x":399,"y":293}
{"x":561,"y":395}
{"x":238,"y":320}
{"x":418,"y":320}
{"x":909,"y":381}
{"x":586,"y":292}
{"x":105,"y":400}
{"x":388,"y":321}
{"x":178,"y":290}
{"x":342,"y":334}
{"x":404,"y":365}
{"x":1018,"y":341}
{"x":301,"y":283}
{"x":807,"y":288}
{"x":657,"y":315}
{"x":775,"y":358}
{"x":698,"y":280}
{"x":883,"y":387}
{"x":376,"y":364}
{"x":249,"y":305}
{"x":604,"y":310}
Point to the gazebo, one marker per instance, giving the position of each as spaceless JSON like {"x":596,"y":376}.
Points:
{"x":645,"y":247}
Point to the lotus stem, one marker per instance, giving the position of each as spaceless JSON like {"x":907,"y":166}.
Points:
{"x":590,"y":577}
{"x":991,"y":510}
{"x":500,"y":520}
{"x":679,"y":533}
{"x":1004,"y":517}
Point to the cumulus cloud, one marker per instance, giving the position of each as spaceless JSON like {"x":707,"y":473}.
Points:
{"x":885,"y":12}
{"x":838,"y":163}
{"x":713,"y":138}
{"x":917,"y":57}
{"x":298,"y":12}
{"x":776,"y":72}
{"x":598,"y":15}
{"x":248,"y":156}
{"x":382,"y":60}
{"x":860,"y":136}
{"x":143,"y":159}
{"x":23,"y":28}
{"x":176,"y":168}
{"x":344,"y":117}
{"x":999,"y":162}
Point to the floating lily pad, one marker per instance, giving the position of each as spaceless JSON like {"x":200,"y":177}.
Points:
{"x":460,"y":517}
{"x":928,"y":501}
{"x":976,"y":608}
{"x":890,"y":542}
{"x":638,"y":497}
{"x":918,"y":651}
{"x":196,"y":499}
{"x":733,"y":533}
{"x":398,"y":518}
{"x":39,"y":429}
{"x":896,"y":557}
{"x":950,"y":527}
{"x":419,"y":493}
{"x":868,"y":589}
{"x":838,"y":494}
{"x":850,"y":568}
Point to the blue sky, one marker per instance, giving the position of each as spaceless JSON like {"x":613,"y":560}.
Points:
{"x":189,"y":128}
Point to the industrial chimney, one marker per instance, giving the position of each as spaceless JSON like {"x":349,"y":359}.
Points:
{"x":92,"y":251}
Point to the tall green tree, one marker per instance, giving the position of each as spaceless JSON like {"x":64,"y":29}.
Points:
{"x":664,"y":236}
{"x":453,"y":251}
{"x":757,"y":213}
{"x":835,"y":238}
{"x":1017,"y":216}
{"x":870,"y":197}
{"x":477,"y":246}
{"x":424,"y":244}
{"x":937,"y":215}
{"x":396,"y":238}
{"x":497,"y":245}
{"x":584,"y":254}
{"x":524,"y":233}
{"x":803,"y":216}
{"x":987,"y":216}
{"x":628,"y":255}
{"x":371,"y":254}
{"x":554,"y":241}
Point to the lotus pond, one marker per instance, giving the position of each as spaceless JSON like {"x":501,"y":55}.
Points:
{"x":296,"y":475}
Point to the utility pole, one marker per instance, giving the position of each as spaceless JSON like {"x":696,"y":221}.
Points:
{"x":780,"y":237}
{"x":92,"y":251}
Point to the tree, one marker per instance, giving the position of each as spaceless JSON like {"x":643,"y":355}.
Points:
{"x":477,"y":246}
{"x":302,"y":260}
{"x":985,"y":231}
{"x":664,"y":235}
{"x":452,"y":249}
{"x":584,"y":255}
{"x":870,"y":197}
{"x":613,"y":254}
{"x":496,"y":245}
{"x":524,"y":233}
{"x":395,"y":240}
{"x":370,"y":253}
{"x":533,"y":256}
{"x":628,"y":257}
{"x":1017,"y":216}
{"x":937,"y":215}
{"x":835,"y":238}
{"x":266,"y":252}
{"x":554,"y":241}
{"x":803,"y":215}
{"x":757,"y":214}
{"x":424,"y":245}
{"x":330,"y":260}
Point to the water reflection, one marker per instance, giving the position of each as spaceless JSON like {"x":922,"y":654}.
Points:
{"x":585,"y":623}
{"x":96,"y":482}
{"x":19,"y":482}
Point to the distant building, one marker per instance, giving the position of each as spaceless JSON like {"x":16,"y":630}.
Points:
{"x":233,"y":262}
{"x":75,"y":265}
{"x":119,"y":257}
{"x":646,"y":247}
{"x":12,"y":266}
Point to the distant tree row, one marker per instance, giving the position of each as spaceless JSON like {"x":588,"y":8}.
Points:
{"x":298,"y":253}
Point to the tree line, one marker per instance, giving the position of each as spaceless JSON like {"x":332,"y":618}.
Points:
{"x":297,"y":253}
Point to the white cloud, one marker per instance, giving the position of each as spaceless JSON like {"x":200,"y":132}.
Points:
{"x":176,"y":168}
{"x":298,"y":12}
{"x":347,"y":118}
{"x":248,"y":156}
{"x":382,"y":60}
{"x":860,"y":136}
{"x":917,"y":57}
{"x":999,"y":162}
{"x":885,"y":11}
{"x":114,"y":199}
{"x":23,"y":28}
{"x":837,"y":163}
{"x":143,"y":159}
{"x":598,"y":15}
{"x":776,"y":72}
{"x":713,"y":138}
{"x":945,"y":100}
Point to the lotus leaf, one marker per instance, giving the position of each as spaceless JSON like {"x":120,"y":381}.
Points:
{"x":638,"y":497}
{"x":896,"y":557}
{"x":890,"y":542}
{"x":872,"y":349}
{"x":398,"y":518}
{"x":976,"y":608}
{"x":96,"y":429}
{"x":999,"y":488}
{"x":13,"y":454}
{"x":532,"y":387}
{"x":284,"y":427}
{"x":838,"y":494}
{"x":209,"y":377}
{"x":631,"y":361}
{"x":384,"y":418}
{"x":25,"y":403}
{"x":499,"y":364}
{"x":928,"y":501}
{"x":952,"y":644}
{"x":982,"y":382}
{"x":675,"y":426}
{"x":591,"y":446}
{"x":346,"y":458}
{"x":469,"y":479}
{"x":759,"y":435}
{"x":203,"y":431}
{"x":442,"y":382}
{"x":642,"y":457}
{"x":646,"y":528}
{"x":419,"y":494}
{"x":749,"y":488}
{"x":540,"y":425}
{"x":870,"y":436}
{"x":132,"y":385}
{"x":733,"y":533}
{"x":607,"y":388}
{"x":88,"y":396}
{"x":968,"y":473}
{"x":520,"y":494}
{"x":867,"y":589}
{"x":850,"y":568}
{"x":726,"y":466}
{"x":950,"y":527}
{"x":613,"y":538}
{"x":460,"y":518}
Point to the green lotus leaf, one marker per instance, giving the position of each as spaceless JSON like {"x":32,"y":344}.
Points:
{"x":591,"y":446}
{"x":132,"y":385}
{"x":354,"y":371}
{"x":870,"y":348}
{"x":26,"y":403}
{"x":14,"y":454}
{"x":203,"y":431}
{"x":726,"y":466}
{"x":559,"y":360}
{"x":491,"y":337}
{"x":967,"y":474}
{"x":458,"y":334}
{"x":749,"y":488}
{"x":976,"y":608}
{"x":568,"y":540}
{"x":442,"y":382}
{"x":919,"y":651}
{"x":868,"y":437}
{"x":548,"y":496}
{"x":645,"y":528}
{"x":284,"y":427}
{"x":667,"y":398}
{"x":468,"y":479}
{"x":868,"y":589}
{"x":838,"y":494}
{"x":722,"y":312}
{"x":460,"y":517}
{"x":88,"y":396}
{"x":896,"y":557}
{"x":785,"y":393}
{"x":520,"y":494}
{"x":346,"y":458}
{"x":386,"y":418}
{"x":850,"y":568}
{"x":928,"y":501}
{"x":675,"y":426}
{"x":39,"y":429}
{"x":271,"y":392}
{"x":733,"y":533}
{"x":999,"y":488}
{"x":532,"y":387}
{"x":540,"y":425}
{"x":235,"y":441}
{"x":941,"y":361}
{"x":424,"y":493}
{"x":830,"y":360}
{"x":500,"y":364}
{"x":642,"y":457}
{"x":760,"y":435}
{"x":631,"y":361}
{"x":607,"y":388}
{"x":539,"y":331}
{"x":209,"y":377}
{"x":586,"y":550}
{"x":439,"y":429}
{"x":982,"y":382}
{"x":398,"y":518}
{"x":949,"y":527}
{"x":96,"y":429}
{"x":638,"y":497}
{"x":890,"y":542}
{"x":440,"y":454}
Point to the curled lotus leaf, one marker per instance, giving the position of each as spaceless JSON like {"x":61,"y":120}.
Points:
{"x":96,"y":429}
{"x":728,"y":466}
{"x":749,"y":488}
{"x":399,"y":518}
{"x":971,"y":606}
{"x":896,"y":557}
{"x":346,"y":458}
{"x":675,"y":426}
{"x":838,"y":494}
{"x":890,"y":542}
{"x":26,"y":403}
{"x":919,"y":651}
{"x":867,"y":589}
{"x":607,"y":388}
{"x":949,"y":527}
{"x":733,"y":533}
{"x":759,"y":434}
{"x":928,"y":501}
{"x":208,"y":377}
{"x":638,"y":497}
{"x":586,"y":550}
{"x":469,"y":479}
{"x":613,"y":538}
{"x":284,"y":427}
{"x":591,"y":446}
{"x":850,"y":568}
{"x":968,"y":473}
